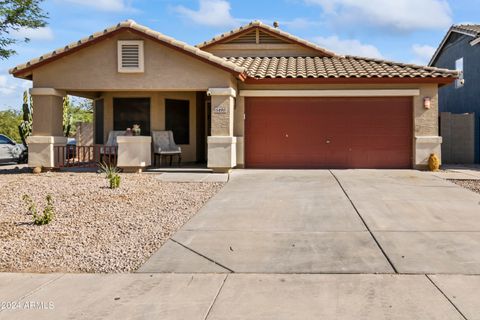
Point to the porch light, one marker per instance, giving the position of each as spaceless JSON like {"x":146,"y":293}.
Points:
{"x":427,"y":102}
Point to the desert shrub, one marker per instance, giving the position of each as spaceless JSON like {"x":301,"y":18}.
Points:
{"x":111,"y":174}
{"x":47,"y":214}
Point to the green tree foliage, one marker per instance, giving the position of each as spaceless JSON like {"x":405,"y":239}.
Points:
{"x":25,"y":125}
{"x":74,"y":112}
{"x":9,"y":120}
{"x":17,"y":14}
{"x":18,"y":124}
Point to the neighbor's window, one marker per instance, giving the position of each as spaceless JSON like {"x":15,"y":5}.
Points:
{"x":459,"y":67}
{"x":130,"y":56}
{"x":177,"y":119}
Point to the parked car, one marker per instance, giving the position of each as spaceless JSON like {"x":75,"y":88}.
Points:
{"x":10,"y":151}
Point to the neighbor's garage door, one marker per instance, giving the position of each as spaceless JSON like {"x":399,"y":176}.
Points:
{"x":328,"y":132}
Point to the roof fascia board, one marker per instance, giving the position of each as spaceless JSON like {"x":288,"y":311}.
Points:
{"x":444,"y":40}
{"x":332,"y":93}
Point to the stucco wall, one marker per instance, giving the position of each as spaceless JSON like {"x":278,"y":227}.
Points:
{"x":48,"y":116}
{"x":95,"y":69}
{"x":157,"y":115}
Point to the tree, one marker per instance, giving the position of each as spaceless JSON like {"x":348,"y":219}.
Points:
{"x":76,"y":110}
{"x":17,"y":14}
{"x":9,"y":120}
{"x":25,"y":126}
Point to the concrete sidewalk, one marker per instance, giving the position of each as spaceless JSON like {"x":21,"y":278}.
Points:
{"x":239,"y":296}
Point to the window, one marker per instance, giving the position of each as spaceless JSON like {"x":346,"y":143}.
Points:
{"x":177,"y":119}
{"x":130,"y":56}
{"x":130,"y":111}
{"x":459,"y":67}
{"x":5,"y":140}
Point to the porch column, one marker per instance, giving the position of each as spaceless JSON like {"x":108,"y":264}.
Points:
{"x":47,"y":130}
{"x":222,"y":144}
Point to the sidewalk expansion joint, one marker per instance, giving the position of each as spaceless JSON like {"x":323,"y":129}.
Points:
{"x":446,"y":297}
{"x":215,"y":298}
{"x":203,"y":256}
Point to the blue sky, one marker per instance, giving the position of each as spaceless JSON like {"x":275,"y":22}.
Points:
{"x":399,"y":30}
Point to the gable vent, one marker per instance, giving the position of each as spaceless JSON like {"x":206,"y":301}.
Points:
{"x":130,"y":56}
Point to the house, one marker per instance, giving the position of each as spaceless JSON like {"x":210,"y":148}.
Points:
{"x":254,"y":97}
{"x":459,"y":104}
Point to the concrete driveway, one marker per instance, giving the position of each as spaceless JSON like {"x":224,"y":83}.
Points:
{"x":322,"y":221}
{"x":291,"y":245}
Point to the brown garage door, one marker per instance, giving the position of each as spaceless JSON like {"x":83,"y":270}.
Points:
{"x":328,"y":132}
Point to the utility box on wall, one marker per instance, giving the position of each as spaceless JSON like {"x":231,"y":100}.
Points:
{"x":458,"y":133}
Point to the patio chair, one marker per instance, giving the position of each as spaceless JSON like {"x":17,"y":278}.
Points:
{"x":109,"y":149}
{"x":164,"y":145}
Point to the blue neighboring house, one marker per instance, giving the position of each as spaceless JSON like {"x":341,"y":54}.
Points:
{"x":460,"y":50}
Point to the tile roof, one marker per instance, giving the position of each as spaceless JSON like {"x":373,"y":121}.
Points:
{"x":273,"y":30}
{"x":473,"y":29}
{"x":130,"y":24}
{"x":334,"y":67}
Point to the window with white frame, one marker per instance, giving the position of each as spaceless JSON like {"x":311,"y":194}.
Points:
{"x":459,"y":67}
{"x":130,"y":56}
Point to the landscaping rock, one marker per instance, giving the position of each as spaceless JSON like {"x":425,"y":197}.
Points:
{"x":95,"y":229}
{"x":473,"y":185}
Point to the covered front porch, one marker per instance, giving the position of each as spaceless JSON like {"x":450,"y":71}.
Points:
{"x":201,"y":123}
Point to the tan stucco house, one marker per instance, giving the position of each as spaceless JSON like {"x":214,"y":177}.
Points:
{"x":254,"y":97}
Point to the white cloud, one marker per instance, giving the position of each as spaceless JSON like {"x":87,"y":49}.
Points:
{"x":423,"y":53}
{"x":6,"y":87}
{"x":348,"y":46}
{"x":214,"y":13}
{"x":34,"y":34}
{"x":104,"y":5}
{"x":11,"y":90}
{"x":400,"y":15}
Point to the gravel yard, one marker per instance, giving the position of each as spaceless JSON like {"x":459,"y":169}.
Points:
{"x":95,"y":229}
{"x":473,"y":185}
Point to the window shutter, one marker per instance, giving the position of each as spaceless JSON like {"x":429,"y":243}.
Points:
{"x":130,"y":56}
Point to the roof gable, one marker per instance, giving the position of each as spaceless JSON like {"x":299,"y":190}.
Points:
{"x":256,"y":36}
{"x":472,"y":30}
{"x":262,"y":34}
{"x":24,"y":70}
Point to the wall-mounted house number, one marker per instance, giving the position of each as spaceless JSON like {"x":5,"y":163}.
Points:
{"x":220,"y":110}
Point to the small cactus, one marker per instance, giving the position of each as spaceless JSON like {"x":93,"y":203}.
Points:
{"x":433,"y":162}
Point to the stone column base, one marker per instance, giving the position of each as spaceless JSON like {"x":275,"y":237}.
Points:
{"x":41,"y":151}
{"x":424,"y":147}
{"x":222,"y":153}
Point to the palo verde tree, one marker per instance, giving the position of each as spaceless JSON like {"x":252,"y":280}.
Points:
{"x":15,"y":15}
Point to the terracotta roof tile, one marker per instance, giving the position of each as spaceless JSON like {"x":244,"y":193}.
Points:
{"x":334,"y":67}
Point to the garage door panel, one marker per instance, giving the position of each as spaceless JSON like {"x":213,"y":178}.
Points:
{"x":328,"y":132}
